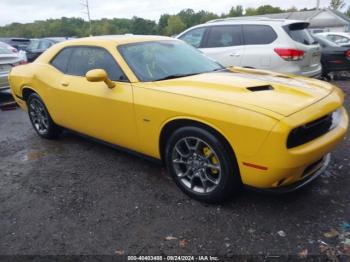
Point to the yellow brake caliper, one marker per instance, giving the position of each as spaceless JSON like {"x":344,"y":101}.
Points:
{"x":213,"y":159}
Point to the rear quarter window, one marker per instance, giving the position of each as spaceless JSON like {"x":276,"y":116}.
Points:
{"x":258,"y":34}
{"x":84,"y":59}
{"x":299,"y":33}
{"x":61,"y":60}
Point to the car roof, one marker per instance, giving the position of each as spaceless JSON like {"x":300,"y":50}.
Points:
{"x":18,"y":39}
{"x":246,"y":21}
{"x":57,"y":39}
{"x":252,"y":20}
{"x":119,"y":39}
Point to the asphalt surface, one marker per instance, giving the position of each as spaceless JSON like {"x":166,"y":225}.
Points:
{"x":75,"y":196}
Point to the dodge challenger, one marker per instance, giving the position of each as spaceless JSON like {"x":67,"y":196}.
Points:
{"x":216,"y":129}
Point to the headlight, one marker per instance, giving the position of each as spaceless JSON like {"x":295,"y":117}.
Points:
{"x":336,"y":118}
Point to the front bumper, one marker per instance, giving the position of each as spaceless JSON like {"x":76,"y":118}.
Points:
{"x":282,"y":166}
{"x":308,"y":177}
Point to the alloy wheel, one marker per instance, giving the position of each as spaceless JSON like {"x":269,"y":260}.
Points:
{"x":196,"y":165}
{"x":38,"y":116}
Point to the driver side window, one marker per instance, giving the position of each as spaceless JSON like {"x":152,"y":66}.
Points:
{"x":78,"y":61}
{"x":84,"y":59}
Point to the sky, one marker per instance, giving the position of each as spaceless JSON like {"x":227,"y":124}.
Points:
{"x":25,"y":11}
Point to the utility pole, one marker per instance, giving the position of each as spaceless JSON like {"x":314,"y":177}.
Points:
{"x":87,"y":7}
{"x":318,"y":5}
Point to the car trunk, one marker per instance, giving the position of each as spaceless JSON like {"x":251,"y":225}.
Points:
{"x":6,"y":63}
{"x":335,"y":58}
{"x":304,"y":42}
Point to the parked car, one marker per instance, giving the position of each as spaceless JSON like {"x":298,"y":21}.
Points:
{"x":339,"y":38}
{"x":16,"y":42}
{"x":272,"y":44}
{"x":38,"y":46}
{"x":317,"y":30}
{"x":8,"y":59}
{"x":215,"y":128}
{"x":334,"y":57}
{"x":8,"y":47}
{"x":22,"y":54}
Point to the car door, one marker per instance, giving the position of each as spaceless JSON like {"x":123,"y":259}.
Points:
{"x":224,"y":44}
{"x":259,"y":43}
{"x":92,"y":108}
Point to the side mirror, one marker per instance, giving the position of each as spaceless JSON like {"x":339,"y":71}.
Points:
{"x":99,"y":75}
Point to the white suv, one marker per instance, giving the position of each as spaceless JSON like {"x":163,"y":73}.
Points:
{"x":271,"y":44}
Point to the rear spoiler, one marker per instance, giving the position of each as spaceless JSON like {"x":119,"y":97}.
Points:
{"x":297,"y":26}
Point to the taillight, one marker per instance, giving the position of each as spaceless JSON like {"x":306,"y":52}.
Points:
{"x":14,"y":50}
{"x":347,"y":54}
{"x":23,"y":62}
{"x":290,"y":54}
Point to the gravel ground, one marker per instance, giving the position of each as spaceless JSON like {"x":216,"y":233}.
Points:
{"x":75,"y":196}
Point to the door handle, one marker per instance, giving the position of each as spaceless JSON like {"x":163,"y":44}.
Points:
{"x":235,"y":54}
{"x":64,"y":83}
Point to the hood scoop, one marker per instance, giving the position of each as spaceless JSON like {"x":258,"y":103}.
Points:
{"x":260,"y":88}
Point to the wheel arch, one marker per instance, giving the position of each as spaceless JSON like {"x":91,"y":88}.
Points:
{"x":27,"y":91}
{"x":170,"y":126}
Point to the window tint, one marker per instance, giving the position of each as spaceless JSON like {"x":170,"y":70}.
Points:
{"x":84,"y":59}
{"x":221,"y":36}
{"x":258,"y":34}
{"x":61,"y":60}
{"x":194,"y":37}
{"x":299,"y":33}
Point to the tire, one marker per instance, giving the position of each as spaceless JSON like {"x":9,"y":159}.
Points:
{"x":41,"y":119}
{"x":325,"y":72}
{"x":202,"y":165}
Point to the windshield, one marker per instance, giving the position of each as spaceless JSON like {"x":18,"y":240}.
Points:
{"x":159,"y":60}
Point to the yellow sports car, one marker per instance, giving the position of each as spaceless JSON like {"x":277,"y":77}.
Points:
{"x":215,"y":128}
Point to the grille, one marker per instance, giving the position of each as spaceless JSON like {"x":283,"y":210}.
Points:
{"x":312,"y":130}
{"x":312,"y":168}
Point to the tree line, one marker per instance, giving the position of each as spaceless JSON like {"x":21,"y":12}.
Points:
{"x":166,"y":25}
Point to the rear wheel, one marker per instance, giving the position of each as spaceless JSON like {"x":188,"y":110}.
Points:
{"x":41,"y":119}
{"x":325,"y":72}
{"x":201,"y":165}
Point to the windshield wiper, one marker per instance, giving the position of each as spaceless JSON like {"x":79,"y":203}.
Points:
{"x":175,"y":76}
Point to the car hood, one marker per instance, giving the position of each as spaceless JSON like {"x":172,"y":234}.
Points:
{"x":278,"y":93}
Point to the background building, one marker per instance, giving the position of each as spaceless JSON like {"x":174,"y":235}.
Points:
{"x":323,"y":19}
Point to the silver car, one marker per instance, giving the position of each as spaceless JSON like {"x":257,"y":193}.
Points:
{"x":339,"y":38}
{"x":8,"y":59}
{"x":271,"y":44}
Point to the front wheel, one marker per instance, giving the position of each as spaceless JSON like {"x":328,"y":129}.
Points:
{"x":201,"y":165}
{"x":41,"y":119}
